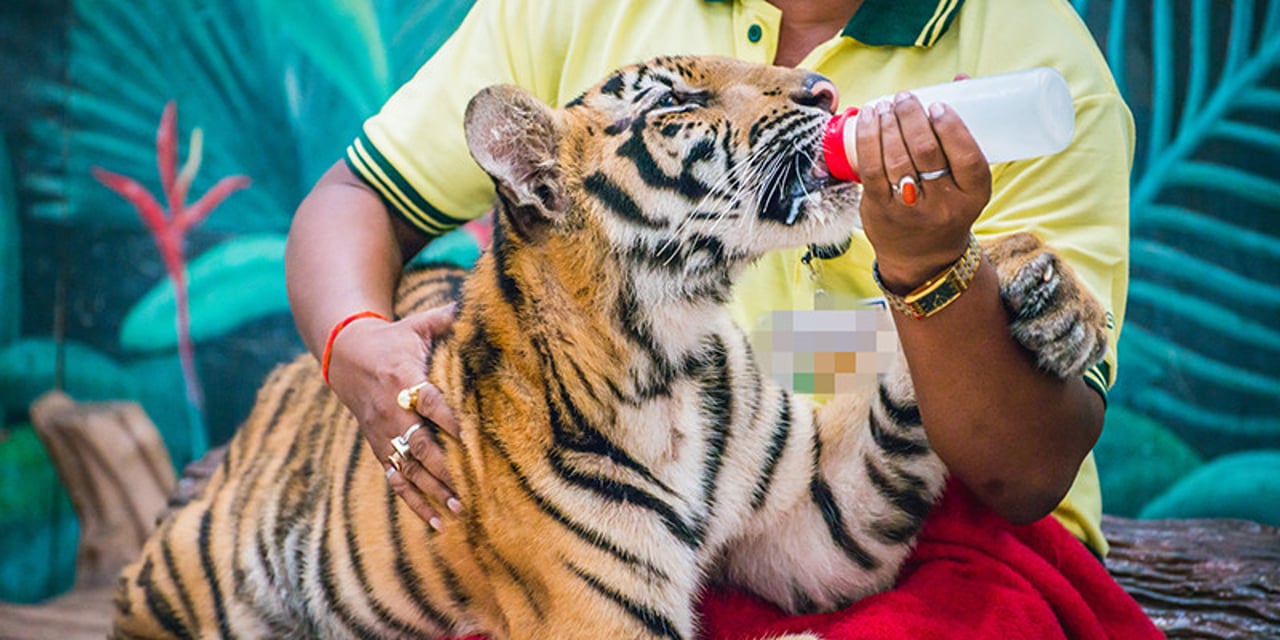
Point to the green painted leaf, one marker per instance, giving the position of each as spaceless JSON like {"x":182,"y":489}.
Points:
{"x":1203,"y":80}
{"x":278,"y":87}
{"x":1212,"y":427}
{"x":1138,"y":459}
{"x":1242,"y":485}
{"x":27,"y":370}
{"x":456,"y":247}
{"x":38,"y":559}
{"x":343,"y":40}
{"x":233,"y":283}
{"x":24,"y":464}
{"x":125,"y":60}
{"x":38,"y":526}
{"x":10,"y":254}
{"x":414,"y":30}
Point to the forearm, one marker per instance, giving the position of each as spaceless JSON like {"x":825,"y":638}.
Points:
{"x":344,"y":255}
{"x":1014,"y":434}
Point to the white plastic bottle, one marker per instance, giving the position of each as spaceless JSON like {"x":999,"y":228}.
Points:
{"x":1012,"y":116}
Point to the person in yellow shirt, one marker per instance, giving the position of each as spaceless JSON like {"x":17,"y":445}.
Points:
{"x":408,"y":178}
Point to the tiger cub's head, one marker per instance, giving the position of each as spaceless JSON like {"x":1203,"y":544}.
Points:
{"x":697,"y":164}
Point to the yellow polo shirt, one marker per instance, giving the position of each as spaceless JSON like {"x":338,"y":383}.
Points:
{"x":413,"y":152}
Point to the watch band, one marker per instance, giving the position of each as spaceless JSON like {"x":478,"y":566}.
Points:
{"x":940,"y":290}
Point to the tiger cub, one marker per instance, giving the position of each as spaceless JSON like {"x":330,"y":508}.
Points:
{"x":619,"y":446}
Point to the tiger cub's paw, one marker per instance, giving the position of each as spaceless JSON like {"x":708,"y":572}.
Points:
{"x":1050,"y":311}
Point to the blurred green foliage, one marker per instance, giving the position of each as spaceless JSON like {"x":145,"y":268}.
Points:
{"x":38,"y":529}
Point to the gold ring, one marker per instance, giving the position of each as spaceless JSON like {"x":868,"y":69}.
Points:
{"x":401,"y":442}
{"x":408,"y":398}
{"x":396,"y":459}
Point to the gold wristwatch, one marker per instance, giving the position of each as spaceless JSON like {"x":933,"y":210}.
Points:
{"x":939,"y":291}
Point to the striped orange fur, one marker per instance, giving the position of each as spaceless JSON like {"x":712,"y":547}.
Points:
{"x":619,"y":446}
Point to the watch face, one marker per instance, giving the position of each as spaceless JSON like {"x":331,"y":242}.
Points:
{"x":946,"y":292}
{"x":942,"y":290}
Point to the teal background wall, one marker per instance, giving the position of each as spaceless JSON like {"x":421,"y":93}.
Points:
{"x":276,"y":89}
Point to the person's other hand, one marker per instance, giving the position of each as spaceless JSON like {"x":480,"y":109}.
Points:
{"x":371,"y":363}
{"x":925,"y":181}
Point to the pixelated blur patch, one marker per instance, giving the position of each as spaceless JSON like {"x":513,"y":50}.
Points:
{"x":837,"y":347}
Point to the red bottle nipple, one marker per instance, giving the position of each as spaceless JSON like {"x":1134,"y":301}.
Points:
{"x":833,"y":150}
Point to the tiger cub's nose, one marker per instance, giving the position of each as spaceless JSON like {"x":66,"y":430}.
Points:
{"x":817,"y":91}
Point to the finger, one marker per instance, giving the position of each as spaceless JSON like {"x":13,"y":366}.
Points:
{"x":427,"y":484}
{"x":897,"y":160}
{"x":433,"y":322}
{"x":969,"y":167}
{"x":407,"y":398}
{"x":870,"y":161}
{"x":431,"y":405}
{"x":381,"y":446}
{"x":416,"y":502}
{"x":922,"y":143}
{"x":428,"y":451}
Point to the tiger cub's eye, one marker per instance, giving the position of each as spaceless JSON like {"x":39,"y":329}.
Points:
{"x":670,"y":99}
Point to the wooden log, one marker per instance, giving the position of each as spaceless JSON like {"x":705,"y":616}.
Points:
{"x":81,"y":614}
{"x":1211,"y":578}
{"x":118,"y":473}
{"x":117,"y":470}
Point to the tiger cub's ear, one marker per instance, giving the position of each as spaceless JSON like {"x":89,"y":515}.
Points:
{"x":513,"y":136}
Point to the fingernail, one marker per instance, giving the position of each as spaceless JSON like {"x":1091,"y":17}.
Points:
{"x":454,"y":505}
{"x":882,"y":108}
{"x":902,"y":96}
{"x":436,"y":524}
{"x":936,"y":110}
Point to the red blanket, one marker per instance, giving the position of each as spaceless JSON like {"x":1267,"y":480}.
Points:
{"x":972,"y":576}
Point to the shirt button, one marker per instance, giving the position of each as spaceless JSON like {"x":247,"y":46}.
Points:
{"x":754,"y":33}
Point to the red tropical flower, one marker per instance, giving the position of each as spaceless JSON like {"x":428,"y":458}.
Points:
{"x":169,"y":229}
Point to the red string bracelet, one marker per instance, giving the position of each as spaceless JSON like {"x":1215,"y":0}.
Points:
{"x":333,"y":335}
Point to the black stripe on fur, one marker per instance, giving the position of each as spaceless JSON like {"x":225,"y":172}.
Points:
{"x":825,"y":500}
{"x":653,"y":620}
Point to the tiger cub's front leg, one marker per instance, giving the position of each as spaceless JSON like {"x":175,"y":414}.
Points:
{"x":853,"y":488}
{"x":1051,"y":312}
{"x":872,"y":477}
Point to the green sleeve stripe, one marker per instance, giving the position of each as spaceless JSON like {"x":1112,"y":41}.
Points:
{"x":1096,"y":386}
{"x":365,"y":161}
{"x":1103,"y":371}
{"x":360,"y":164}
{"x":1098,"y":377}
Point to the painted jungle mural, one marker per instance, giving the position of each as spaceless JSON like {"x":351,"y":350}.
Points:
{"x":152,"y":153}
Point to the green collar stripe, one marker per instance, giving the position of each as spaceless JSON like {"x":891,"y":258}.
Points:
{"x":902,"y":23}
{"x":938,"y":24}
{"x":899,"y":23}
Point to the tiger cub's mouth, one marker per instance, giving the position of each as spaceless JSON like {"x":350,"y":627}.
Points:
{"x":798,"y":178}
